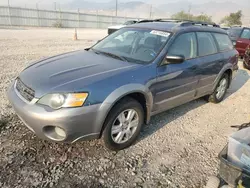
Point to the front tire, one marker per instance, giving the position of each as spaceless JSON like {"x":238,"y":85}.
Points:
{"x":123,"y":124}
{"x":220,"y":91}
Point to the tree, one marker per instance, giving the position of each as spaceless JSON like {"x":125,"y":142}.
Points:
{"x":187,"y":16}
{"x":203,"y":17}
{"x":232,"y":19}
{"x":182,"y":16}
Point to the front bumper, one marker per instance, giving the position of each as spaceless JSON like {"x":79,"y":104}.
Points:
{"x":81,"y":123}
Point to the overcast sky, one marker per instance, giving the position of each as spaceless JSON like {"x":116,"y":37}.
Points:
{"x":67,"y":1}
{"x":63,"y":3}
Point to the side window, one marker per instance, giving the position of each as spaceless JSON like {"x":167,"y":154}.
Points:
{"x":185,"y":45}
{"x":223,"y":41}
{"x":206,"y":44}
{"x":245,"y":34}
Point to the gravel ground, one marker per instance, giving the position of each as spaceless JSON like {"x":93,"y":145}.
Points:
{"x":178,"y":148}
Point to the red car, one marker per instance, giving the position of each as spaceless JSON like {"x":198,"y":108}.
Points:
{"x":246,"y":60}
{"x":241,"y":38}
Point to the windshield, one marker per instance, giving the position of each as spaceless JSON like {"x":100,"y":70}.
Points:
{"x":234,"y":32}
{"x":134,"y":45}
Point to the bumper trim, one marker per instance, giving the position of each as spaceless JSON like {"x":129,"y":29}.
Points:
{"x":91,"y":136}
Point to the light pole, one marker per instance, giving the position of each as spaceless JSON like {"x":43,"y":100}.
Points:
{"x":37,"y":3}
{"x":116,"y":7}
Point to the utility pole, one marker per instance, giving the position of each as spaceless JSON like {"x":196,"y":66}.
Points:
{"x":10,"y":22}
{"x":116,"y":7}
{"x":150,"y":13}
{"x":55,"y":5}
{"x":189,"y":11}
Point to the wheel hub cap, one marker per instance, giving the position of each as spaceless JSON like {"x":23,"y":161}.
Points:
{"x":221,"y":89}
{"x":124,"y":126}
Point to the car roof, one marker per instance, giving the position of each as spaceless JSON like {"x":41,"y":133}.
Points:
{"x":174,"y":27}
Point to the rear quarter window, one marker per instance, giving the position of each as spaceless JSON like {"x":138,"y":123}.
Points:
{"x":223,"y":41}
{"x":206,"y":44}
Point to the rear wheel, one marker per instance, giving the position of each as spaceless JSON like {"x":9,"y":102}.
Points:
{"x":220,"y":90}
{"x":245,"y":65}
{"x":123,"y":124}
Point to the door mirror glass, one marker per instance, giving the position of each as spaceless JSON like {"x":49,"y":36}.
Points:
{"x":174,"y":59}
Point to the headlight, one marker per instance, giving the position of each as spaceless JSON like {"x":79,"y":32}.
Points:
{"x":58,"y":100}
{"x":234,"y":43}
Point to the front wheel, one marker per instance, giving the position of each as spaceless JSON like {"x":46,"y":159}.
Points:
{"x":123,"y":124}
{"x":220,"y":90}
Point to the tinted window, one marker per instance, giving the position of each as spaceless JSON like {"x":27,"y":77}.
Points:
{"x":245,"y":34}
{"x":206,"y":43}
{"x":234,"y":32}
{"x":185,"y":45}
{"x":223,"y":41}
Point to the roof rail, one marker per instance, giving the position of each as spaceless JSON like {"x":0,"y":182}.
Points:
{"x":162,"y":20}
{"x":182,"y":22}
{"x":188,"y":23}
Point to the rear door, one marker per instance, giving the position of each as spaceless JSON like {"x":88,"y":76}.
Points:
{"x":176,"y":83}
{"x":243,"y":41}
{"x":210,"y":62}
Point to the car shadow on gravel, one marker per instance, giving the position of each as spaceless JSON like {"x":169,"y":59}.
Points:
{"x":160,"y":120}
{"x":238,"y":82}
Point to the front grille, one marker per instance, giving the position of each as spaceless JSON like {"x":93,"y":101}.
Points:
{"x":26,"y":92}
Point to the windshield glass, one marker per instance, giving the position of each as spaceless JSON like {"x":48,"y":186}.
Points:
{"x":133,"y":44}
{"x":234,"y":32}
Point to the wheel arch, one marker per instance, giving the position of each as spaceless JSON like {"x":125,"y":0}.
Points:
{"x":228,"y":69}
{"x":136,"y":91}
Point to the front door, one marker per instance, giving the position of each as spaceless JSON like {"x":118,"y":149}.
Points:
{"x":176,"y":83}
{"x":243,"y":41}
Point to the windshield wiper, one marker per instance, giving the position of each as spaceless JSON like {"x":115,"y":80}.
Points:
{"x":110,"y":55}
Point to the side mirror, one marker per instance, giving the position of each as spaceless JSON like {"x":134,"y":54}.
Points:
{"x":174,"y":59}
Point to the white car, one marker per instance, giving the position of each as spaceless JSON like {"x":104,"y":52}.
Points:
{"x":114,"y":28}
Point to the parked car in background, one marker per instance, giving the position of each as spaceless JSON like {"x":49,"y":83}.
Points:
{"x":240,"y":37}
{"x":111,"y":89}
{"x":112,"y":29}
{"x":246,"y":59}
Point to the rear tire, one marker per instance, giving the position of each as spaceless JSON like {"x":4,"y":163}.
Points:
{"x":220,"y":91}
{"x":245,"y":66}
{"x":120,"y":132}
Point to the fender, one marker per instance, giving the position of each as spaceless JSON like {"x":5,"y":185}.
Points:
{"x":121,"y":92}
{"x":226,"y":67}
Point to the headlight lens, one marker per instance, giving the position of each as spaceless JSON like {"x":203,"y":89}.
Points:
{"x":58,"y":100}
{"x":234,"y":43}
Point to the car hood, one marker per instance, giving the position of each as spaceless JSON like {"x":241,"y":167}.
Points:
{"x":62,"y":72}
